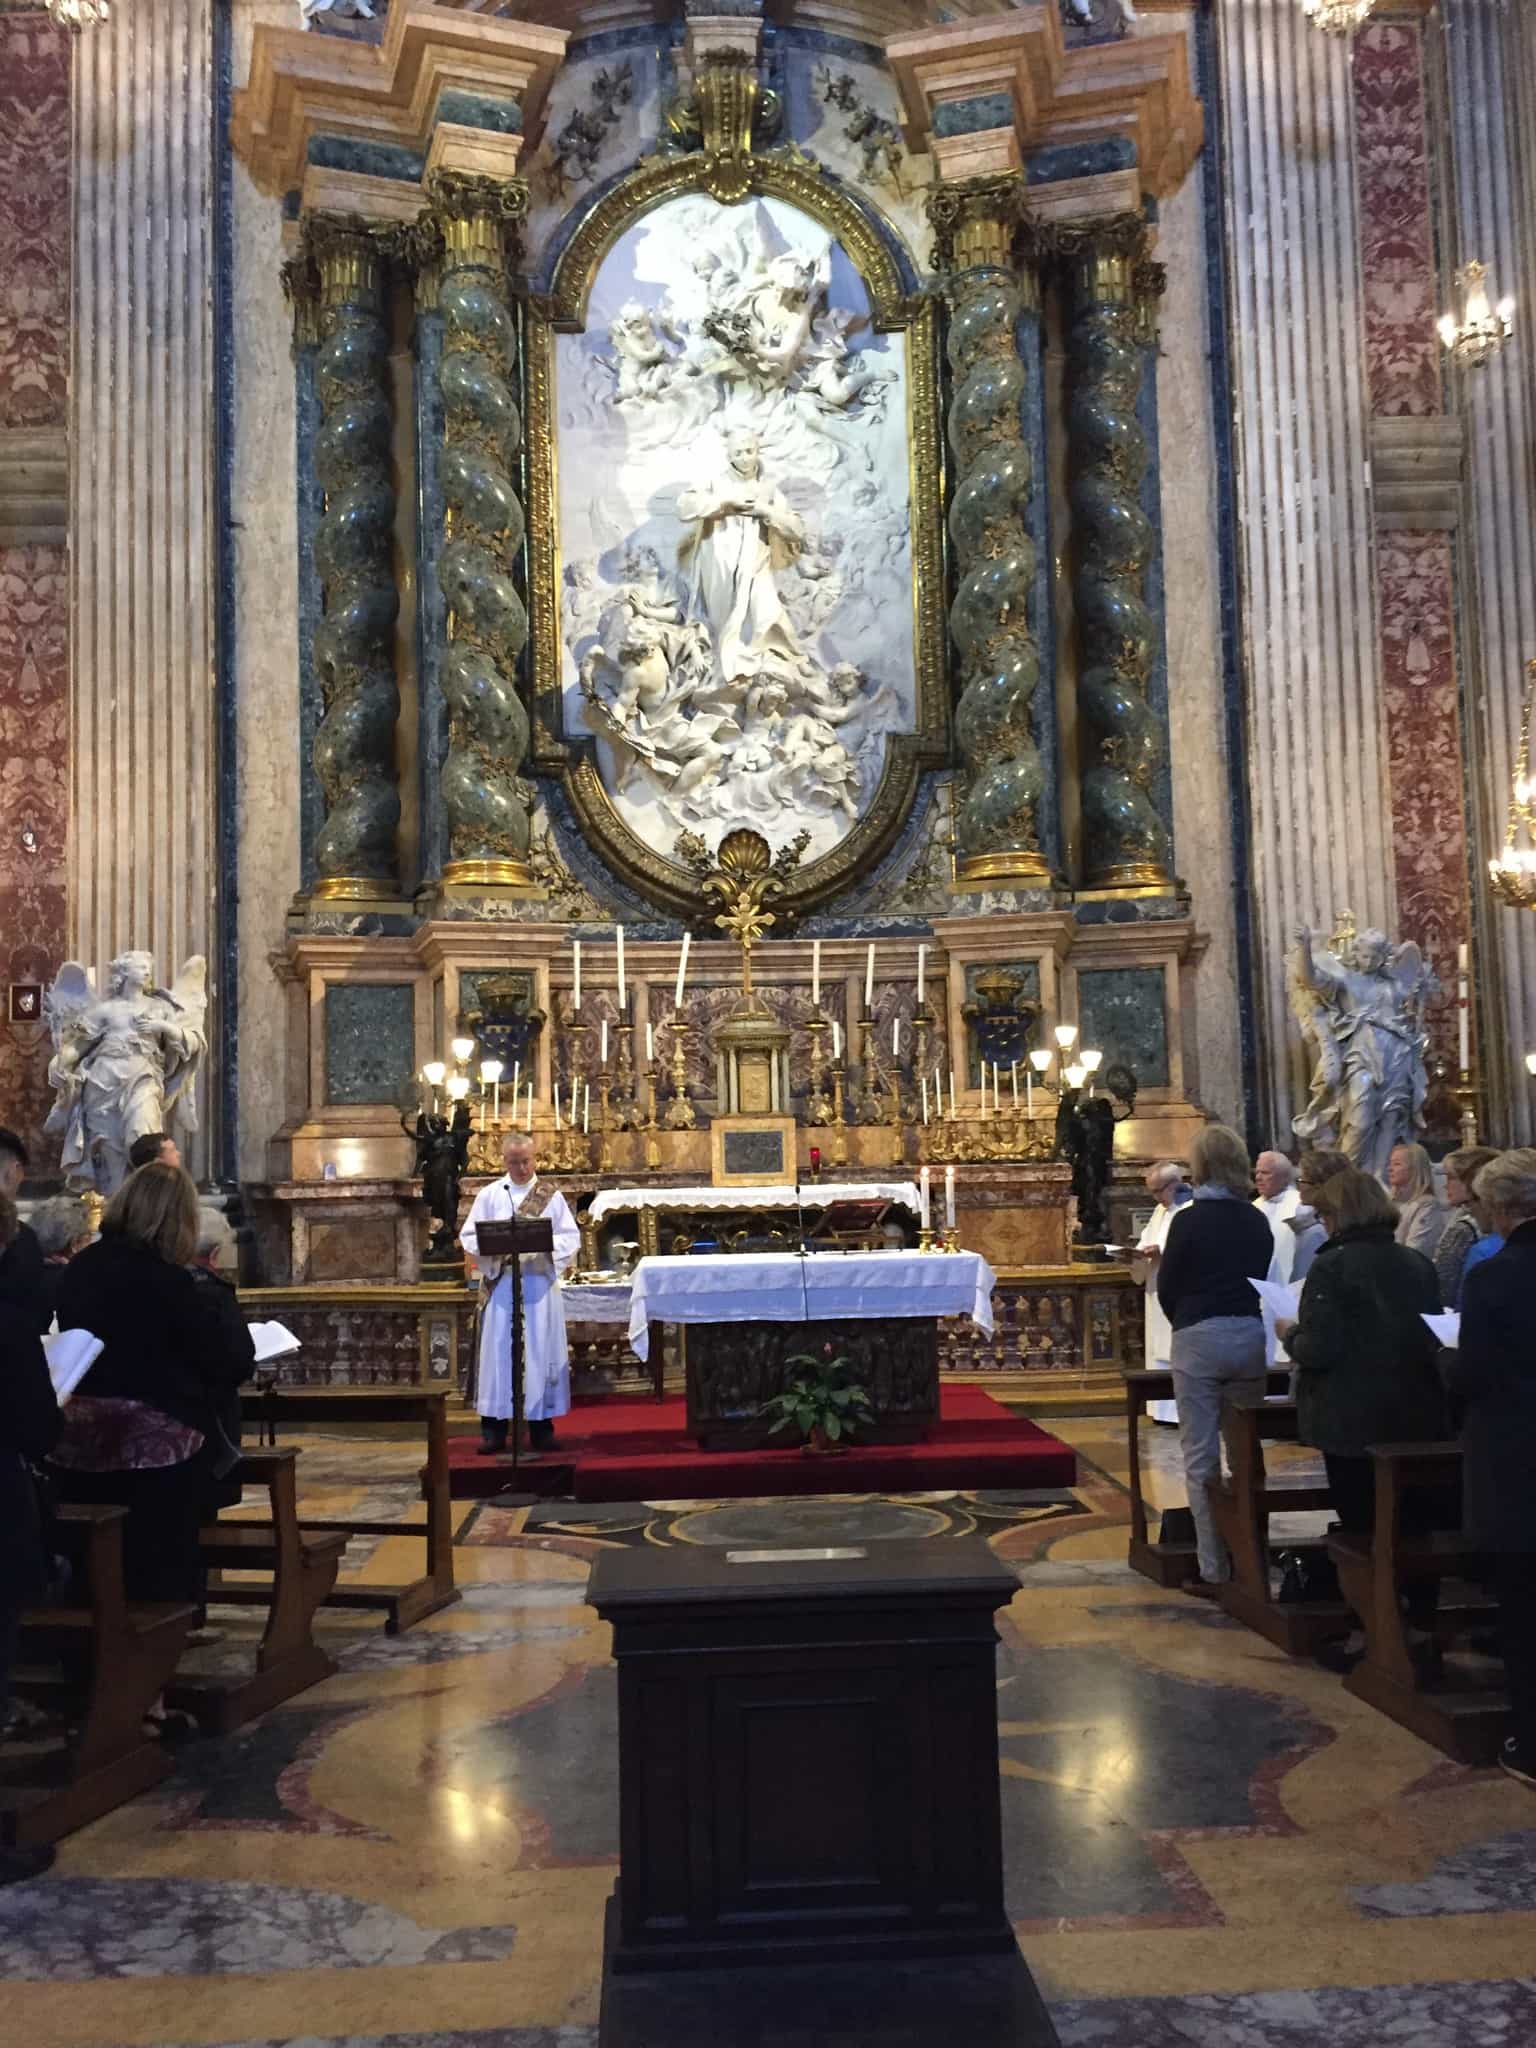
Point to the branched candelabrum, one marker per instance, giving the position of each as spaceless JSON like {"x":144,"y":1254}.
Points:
{"x":680,"y":1112}
{"x":818,"y":1106}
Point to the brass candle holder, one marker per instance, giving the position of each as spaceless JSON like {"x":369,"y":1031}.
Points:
{"x":839,"y":1121}
{"x":604,"y":1120}
{"x":651,"y":1127}
{"x":873,"y":1104}
{"x":818,"y":1107}
{"x":627,"y":1113}
{"x":680,"y":1111}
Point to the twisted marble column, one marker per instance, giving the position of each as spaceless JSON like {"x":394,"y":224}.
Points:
{"x":355,"y":851}
{"x":1125,"y":841}
{"x":484,"y":800}
{"x":990,"y":303}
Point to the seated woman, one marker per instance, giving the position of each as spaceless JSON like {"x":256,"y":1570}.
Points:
{"x":62,"y":1228}
{"x":1366,"y":1370}
{"x":142,"y":1430}
{"x":1465,"y":1226}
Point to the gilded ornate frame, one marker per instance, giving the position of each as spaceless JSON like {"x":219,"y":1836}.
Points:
{"x":799,"y":181}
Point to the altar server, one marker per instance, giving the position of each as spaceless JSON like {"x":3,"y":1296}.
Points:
{"x":546,"y":1368}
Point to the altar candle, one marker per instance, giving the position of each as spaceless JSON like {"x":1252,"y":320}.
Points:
{"x":619,"y":933}
{"x":816,"y":972}
{"x":922,"y":962}
{"x":682,"y":969}
{"x":954,"y":1100}
{"x":837,"y":1043}
{"x":895,"y":1038}
{"x":1013,"y":1075}
{"x":949,"y":1197}
{"x":557,"y":1105}
{"x":650,"y":1043}
{"x":923,"y":1084}
{"x":576,"y":991}
{"x":925,"y":1188}
{"x":1029,"y":1091}
{"x":997,"y":1092}
{"x":586,"y":1107}
{"x":496,"y":1098}
{"x":602,"y":1052}
{"x":1463,"y":1011}
{"x":869,"y":978}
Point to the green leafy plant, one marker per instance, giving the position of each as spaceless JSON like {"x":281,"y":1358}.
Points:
{"x":819,"y":1401}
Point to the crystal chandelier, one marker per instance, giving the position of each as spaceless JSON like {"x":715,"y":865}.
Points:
{"x":1337,"y":17}
{"x":1513,"y":873}
{"x":1483,"y":328}
{"x":78,"y":14}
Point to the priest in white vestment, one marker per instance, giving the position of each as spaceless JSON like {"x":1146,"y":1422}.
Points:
{"x":1166,"y":1184}
{"x":1279,"y":1198}
{"x":546,"y":1365}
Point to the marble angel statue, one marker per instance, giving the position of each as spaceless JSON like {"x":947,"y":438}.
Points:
{"x":125,"y":1062}
{"x":1360,"y":1002}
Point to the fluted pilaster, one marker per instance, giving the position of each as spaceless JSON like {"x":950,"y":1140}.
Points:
{"x":1491,"y":51}
{"x":143,"y":843}
{"x":487,"y":809}
{"x":1126,"y":841}
{"x":994,"y":312}
{"x":1321,"y":837}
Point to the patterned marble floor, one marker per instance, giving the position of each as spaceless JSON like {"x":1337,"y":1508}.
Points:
{"x":1208,"y":1846}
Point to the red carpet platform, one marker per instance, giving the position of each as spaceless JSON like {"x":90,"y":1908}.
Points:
{"x":627,"y":1448}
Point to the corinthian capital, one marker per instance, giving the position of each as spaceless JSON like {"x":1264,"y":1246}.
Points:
{"x":974,"y":221}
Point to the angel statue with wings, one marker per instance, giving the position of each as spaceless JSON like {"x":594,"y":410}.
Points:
{"x":125,"y":1062}
{"x":1360,"y":1002}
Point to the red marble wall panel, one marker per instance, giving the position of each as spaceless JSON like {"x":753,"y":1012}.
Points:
{"x":1397,"y":238}
{"x":34,"y":584}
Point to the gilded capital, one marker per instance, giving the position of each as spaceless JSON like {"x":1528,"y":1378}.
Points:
{"x":975,"y":221}
{"x":473,"y":214}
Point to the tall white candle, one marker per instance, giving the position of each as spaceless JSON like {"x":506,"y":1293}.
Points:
{"x":682,"y":969}
{"x":997,"y":1092}
{"x":1013,"y":1075}
{"x":576,"y":990}
{"x":1029,"y":1091}
{"x":619,"y":933}
{"x":837,"y":1042}
{"x":586,"y":1106}
{"x":949,"y":1197}
{"x":869,"y":977}
{"x":650,"y":1043}
{"x":602,"y":1046}
{"x":895,"y":1038}
{"x":922,"y":963}
{"x":923,"y":1084}
{"x":557,"y":1105}
{"x":529,"y":1125}
{"x":938,"y":1092}
{"x":925,"y":1190}
{"x":496,"y":1102}
{"x":954,"y":1100}
{"x":1463,"y":1010}
{"x":517,"y":1071}
{"x":816,"y":972}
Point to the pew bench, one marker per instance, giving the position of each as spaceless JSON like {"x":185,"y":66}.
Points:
{"x":1166,"y":1563}
{"x":1449,"y":1704}
{"x":103,"y":1662}
{"x":1242,"y":1504}
{"x":300,"y":1565}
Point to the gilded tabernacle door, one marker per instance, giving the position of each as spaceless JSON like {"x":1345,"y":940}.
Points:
{"x":735,"y":524}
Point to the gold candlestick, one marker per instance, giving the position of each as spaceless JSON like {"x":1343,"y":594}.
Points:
{"x":839,"y":1126}
{"x":818,"y":1110}
{"x":604,"y":1151}
{"x":652,"y":1141}
{"x":680,"y":1111}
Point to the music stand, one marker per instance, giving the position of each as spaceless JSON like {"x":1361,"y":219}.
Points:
{"x":516,"y":1241}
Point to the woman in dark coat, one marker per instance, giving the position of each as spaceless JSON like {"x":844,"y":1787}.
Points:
{"x":142,"y":1430}
{"x":29,"y":1426}
{"x":1492,"y":1379}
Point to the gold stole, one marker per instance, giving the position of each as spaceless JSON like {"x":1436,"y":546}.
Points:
{"x":531,"y":1206}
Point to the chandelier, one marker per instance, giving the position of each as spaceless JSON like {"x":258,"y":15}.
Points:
{"x":78,"y":14}
{"x":1483,"y":328}
{"x":1513,"y":873}
{"x":1337,"y":17}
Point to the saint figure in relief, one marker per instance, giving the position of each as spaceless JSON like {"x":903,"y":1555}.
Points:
{"x":743,"y":530}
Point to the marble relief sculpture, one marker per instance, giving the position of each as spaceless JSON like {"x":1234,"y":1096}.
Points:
{"x":125,"y":1062}
{"x":1360,"y":1001}
{"x":355,"y":10}
{"x":734,"y":657}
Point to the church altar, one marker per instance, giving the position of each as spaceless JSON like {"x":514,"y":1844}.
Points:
{"x":704,"y":1200}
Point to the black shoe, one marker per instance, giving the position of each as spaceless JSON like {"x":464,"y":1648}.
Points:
{"x":541,"y":1436}
{"x":19,"y":1865}
{"x":1516,"y":1764}
{"x":1337,"y":1658}
{"x":493,"y":1438}
{"x":1201,"y":1589}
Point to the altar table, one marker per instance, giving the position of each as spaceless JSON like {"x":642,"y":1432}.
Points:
{"x":737,"y":1208}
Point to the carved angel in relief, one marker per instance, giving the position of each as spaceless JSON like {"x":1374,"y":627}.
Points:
{"x":125,"y":1062}
{"x":1361,"y":1004}
{"x":353,"y":10}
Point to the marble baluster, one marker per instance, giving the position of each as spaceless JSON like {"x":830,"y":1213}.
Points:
{"x":355,"y":852}
{"x":994,"y":313}
{"x":1126,"y":842}
{"x":487,"y":810}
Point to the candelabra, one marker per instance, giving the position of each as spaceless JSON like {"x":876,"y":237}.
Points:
{"x":839,"y":1122}
{"x":604,"y":1120}
{"x":818,"y":1106}
{"x":651,"y":1126}
{"x":680,"y":1111}
{"x":627,"y":1113}
{"x":1513,"y":870}
{"x":1482,"y":328}
{"x":873,"y":1104}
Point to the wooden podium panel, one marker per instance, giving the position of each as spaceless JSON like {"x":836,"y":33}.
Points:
{"x":733,"y":1368}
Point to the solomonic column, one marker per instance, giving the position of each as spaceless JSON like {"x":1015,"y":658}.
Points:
{"x":355,"y":849}
{"x":1126,"y":841}
{"x":486,"y":809}
{"x":994,"y":313}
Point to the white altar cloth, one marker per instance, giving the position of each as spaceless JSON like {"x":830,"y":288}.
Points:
{"x":597,"y":1301}
{"x":814,"y":1194}
{"x":779,"y":1287}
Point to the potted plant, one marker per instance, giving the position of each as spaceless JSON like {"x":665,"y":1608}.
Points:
{"x":819,"y":1402}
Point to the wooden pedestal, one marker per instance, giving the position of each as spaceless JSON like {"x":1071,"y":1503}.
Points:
{"x":733,"y":1368}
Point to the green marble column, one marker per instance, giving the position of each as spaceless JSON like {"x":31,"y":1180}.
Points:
{"x":1126,"y":843}
{"x":355,"y":848}
{"x":484,"y":800}
{"x":991,"y":302}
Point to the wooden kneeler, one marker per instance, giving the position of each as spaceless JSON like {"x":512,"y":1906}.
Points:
{"x":303,"y":1565}
{"x":116,"y":1660}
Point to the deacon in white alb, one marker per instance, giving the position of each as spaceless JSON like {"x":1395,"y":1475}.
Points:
{"x":546,"y":1369}
{"x":1165,"y":1182}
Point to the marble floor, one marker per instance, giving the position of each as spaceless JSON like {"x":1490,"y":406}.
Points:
{"x":1208,"y":1845}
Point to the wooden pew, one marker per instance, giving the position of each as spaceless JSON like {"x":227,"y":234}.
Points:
{"x":1242,"y":1505}
{"x":116,"y":1660}
{"x":1169,"y":1564}
{"x":1452,"y":1706}
{"x":412,"y":1601}
{"x":302,"y":1563}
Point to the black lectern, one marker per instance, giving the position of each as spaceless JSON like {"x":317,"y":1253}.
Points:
{"x":516,"y":1241}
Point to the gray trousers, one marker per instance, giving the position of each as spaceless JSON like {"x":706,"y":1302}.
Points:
{"x":1215,"y":1361}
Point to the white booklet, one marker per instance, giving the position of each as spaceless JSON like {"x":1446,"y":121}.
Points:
{"x":273,"y":1341}
{"x":1447,"y":1327}
{"x":70,"y":1355}
{"x":1282,"y":1301}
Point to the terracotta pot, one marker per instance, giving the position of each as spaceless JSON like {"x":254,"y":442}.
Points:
{"x":817,"y":1444}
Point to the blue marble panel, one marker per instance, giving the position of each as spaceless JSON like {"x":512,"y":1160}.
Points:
{"x":372,"y":159}
{"x":1079,"y":159}
{"x":481,"y":110}
{"x":973,"y":116}
{"x":1123,"y":1011}
{"x":370,"y":1040}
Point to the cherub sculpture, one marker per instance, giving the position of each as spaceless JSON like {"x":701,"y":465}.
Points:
{"x":355,"y":10}
{"x":125,"y":1062}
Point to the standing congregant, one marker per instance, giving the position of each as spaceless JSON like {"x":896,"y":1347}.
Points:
{"x":1278,"y":1199}
{"x":546,"y":1370}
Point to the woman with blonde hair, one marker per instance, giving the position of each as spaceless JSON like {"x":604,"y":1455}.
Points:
{"x":141,"y":1431}
{"x":1218,"y":1245}
{"x":1422,"y":1216}
{"x":1463,"y":1226}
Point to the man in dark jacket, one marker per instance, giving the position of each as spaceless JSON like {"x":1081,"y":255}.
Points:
{"x":22,"y":1281}
{"x":1492,"y":1380}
